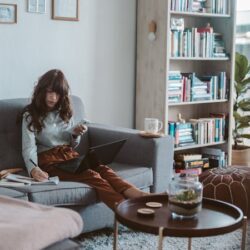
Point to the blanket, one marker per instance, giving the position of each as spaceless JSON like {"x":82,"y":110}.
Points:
{"x":29,"y":226}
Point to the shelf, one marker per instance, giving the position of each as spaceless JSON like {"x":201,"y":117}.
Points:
{"x":200,"y":145}
{"x":200,"y":58}
{"x":193,"y":103}
{"x":195,"y":14}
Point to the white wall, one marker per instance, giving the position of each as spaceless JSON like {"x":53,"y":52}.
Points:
{"x":97,"y":55}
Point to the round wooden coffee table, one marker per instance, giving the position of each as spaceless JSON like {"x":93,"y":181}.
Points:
{"x":216,"y":217}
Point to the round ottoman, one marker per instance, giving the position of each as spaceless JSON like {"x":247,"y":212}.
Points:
{"x":231,"y":185}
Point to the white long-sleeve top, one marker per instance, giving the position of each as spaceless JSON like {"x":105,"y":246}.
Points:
{"x":55,"y":132}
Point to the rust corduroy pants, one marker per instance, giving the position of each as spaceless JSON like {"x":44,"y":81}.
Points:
{"x":109,"y":186}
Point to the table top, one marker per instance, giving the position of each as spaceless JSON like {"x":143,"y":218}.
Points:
{"x":216,"y":217}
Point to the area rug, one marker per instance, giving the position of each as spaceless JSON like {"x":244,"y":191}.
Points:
{"x":131,"y":240}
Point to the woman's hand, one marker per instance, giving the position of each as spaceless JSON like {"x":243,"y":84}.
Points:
{"x":80,"y":130}
{"x":39,"y":175}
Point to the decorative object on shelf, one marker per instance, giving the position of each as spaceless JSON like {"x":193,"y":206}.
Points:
{"x":8,"y":13}
{"x":152,"y":27}
{"x":37,"y":6}
{"x":185,"y":196}
{"x":66,"y":10}
{"x":241,"y":152}
{"x":180,"y":119}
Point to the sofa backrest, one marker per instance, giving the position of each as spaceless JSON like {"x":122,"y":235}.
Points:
{"x":10,"y":130}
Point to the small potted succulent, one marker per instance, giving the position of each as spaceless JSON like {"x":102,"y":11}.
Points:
{"x":241,"y":152}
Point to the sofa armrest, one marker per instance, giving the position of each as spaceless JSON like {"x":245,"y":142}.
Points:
{"x":156,"y":153}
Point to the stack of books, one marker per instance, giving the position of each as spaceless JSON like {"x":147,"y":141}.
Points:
{"x":198,"y":42}
{"x":182,"y":133}
{"x":219,"y":46}
{"x":199,"y":131}
{"x":187,"y":87}
{"x":210,"y":6}
{"x":191,"y":163}
{"x":175,"y":87}
{"x":209,"y":130}
{"x":217,"y":157}
{"x":217,"y":6}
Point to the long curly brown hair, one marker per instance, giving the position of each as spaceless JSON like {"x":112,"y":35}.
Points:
{"x":53,"y":80}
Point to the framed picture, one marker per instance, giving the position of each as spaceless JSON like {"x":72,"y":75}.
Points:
{"x":37,"y":6}
{"x":65,"y":10}
{"x":8,"y":13}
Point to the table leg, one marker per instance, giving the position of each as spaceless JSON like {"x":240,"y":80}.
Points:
{"x":115,"y":243}
{"x":160,"y":238}
{"x":244,"y":233}
{"x":189,"y":243}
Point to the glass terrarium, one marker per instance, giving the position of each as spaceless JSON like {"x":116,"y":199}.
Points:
{"x":185,"y":196}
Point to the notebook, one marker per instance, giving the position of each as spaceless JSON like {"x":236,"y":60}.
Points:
{"x":102,"y":154}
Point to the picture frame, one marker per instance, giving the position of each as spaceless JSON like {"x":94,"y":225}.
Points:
{"x":66,"y":10}
{"x":37,"y":6}
{"x":8,"y":13}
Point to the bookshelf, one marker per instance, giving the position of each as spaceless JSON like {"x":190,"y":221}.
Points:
{"x":155,"y":62}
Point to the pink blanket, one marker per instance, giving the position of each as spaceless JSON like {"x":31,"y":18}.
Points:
{"x":30,"y":226}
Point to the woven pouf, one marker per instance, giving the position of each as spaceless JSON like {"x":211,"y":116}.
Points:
{"x":231,"y":185}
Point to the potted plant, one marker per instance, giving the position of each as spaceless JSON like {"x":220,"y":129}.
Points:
{"x":241,"y":152}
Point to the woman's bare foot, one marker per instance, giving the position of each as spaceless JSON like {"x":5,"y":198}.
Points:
{"x":134,"y":193}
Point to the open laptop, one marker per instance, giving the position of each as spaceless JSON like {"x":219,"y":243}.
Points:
{"x":102,"y":154}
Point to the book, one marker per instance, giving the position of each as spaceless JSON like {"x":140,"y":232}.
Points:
{"x":188,"y":157}
{"x":6,"y":183}
{"x":31,"y":181}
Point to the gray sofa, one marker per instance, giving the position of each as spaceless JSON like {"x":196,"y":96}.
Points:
{"x":146,"y":163}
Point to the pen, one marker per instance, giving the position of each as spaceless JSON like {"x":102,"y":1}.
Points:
{"x":33,"y":162}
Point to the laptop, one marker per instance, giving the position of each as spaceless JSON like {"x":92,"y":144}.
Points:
{"x":101,"y":154}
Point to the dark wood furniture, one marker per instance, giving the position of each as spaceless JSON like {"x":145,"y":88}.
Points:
{"x":216,"y":218}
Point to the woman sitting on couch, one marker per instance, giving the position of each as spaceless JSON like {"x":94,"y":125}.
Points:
{"x":49,"y":137}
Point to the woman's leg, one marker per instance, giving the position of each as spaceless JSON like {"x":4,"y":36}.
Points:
{"x":120,"y":185}
{"x":105,"y":191}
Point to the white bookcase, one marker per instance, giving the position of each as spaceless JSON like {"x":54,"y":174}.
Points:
{"x":154,"y":62}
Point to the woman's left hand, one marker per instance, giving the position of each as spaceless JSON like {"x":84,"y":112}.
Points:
{"x":80,"y":129}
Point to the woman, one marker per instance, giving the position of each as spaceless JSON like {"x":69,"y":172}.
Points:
{"x":49,"y":136}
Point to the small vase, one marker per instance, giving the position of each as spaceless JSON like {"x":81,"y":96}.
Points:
{"x":185,"y":196}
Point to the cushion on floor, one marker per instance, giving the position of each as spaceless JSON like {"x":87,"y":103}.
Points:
{"x":231,"y":185}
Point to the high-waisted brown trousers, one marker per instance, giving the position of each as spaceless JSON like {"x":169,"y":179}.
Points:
{"x":109,"y":186}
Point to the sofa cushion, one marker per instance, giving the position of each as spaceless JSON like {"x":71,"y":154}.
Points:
{"x":75,"y":193}
{"x":139,"y":176}
{"x":13,"y":193}
{"x":65,"y":193}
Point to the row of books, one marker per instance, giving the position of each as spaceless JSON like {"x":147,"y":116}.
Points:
{"x":187,"y":87}
{"x":199,"y":131}
{"x":197,"y":42}
{"x":196,"y":163}
{"x":209,"y":6}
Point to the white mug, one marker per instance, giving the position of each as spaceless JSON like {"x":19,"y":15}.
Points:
{"x":152,"y":125}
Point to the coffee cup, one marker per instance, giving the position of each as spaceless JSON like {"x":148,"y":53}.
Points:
{"x":152,"y":125}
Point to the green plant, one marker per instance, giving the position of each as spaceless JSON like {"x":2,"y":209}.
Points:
{"x":241,"y":101}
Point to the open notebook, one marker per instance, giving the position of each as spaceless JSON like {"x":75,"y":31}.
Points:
{"x":101,"y":154}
